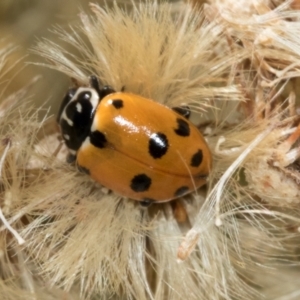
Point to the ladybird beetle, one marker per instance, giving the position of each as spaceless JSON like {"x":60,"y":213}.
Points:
{"x":134,"y":146}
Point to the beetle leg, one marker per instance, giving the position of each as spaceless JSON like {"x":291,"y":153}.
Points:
{"x":106,"y":90}
{"x":146,"y":202}
{"x":183,"y":111}
{"x":71,"y":158}
{"x":179,"y":211}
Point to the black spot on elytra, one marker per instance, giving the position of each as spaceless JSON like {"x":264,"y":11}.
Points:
{"x":140,"y":183}
{"x":83,"y":170}
{"x":158,"y":145}
{"x":183,"y":111}
{"x":98,"y":139}
{"x":117,"y":103}
{"x":181,"y":191}
{"x":197,"y":159}
{"x":146,"y":202}
{"x":183,"y":128}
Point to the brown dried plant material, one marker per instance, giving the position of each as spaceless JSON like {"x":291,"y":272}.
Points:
{"x":18,"y":135}
{"x":81,"y":237}
{"x":272,"y":39}
{"x":80,"y":241}
{"x":267,"y":177}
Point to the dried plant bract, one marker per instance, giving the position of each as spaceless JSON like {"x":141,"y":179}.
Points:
{"x":236,"y":65}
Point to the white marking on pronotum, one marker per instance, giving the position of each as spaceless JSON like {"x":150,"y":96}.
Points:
{"x":79,"y":107}
{"x":66,"y":137}
{"x":64,"y":116}
{"x":94,"y":100}
{"x":73,"y":152}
